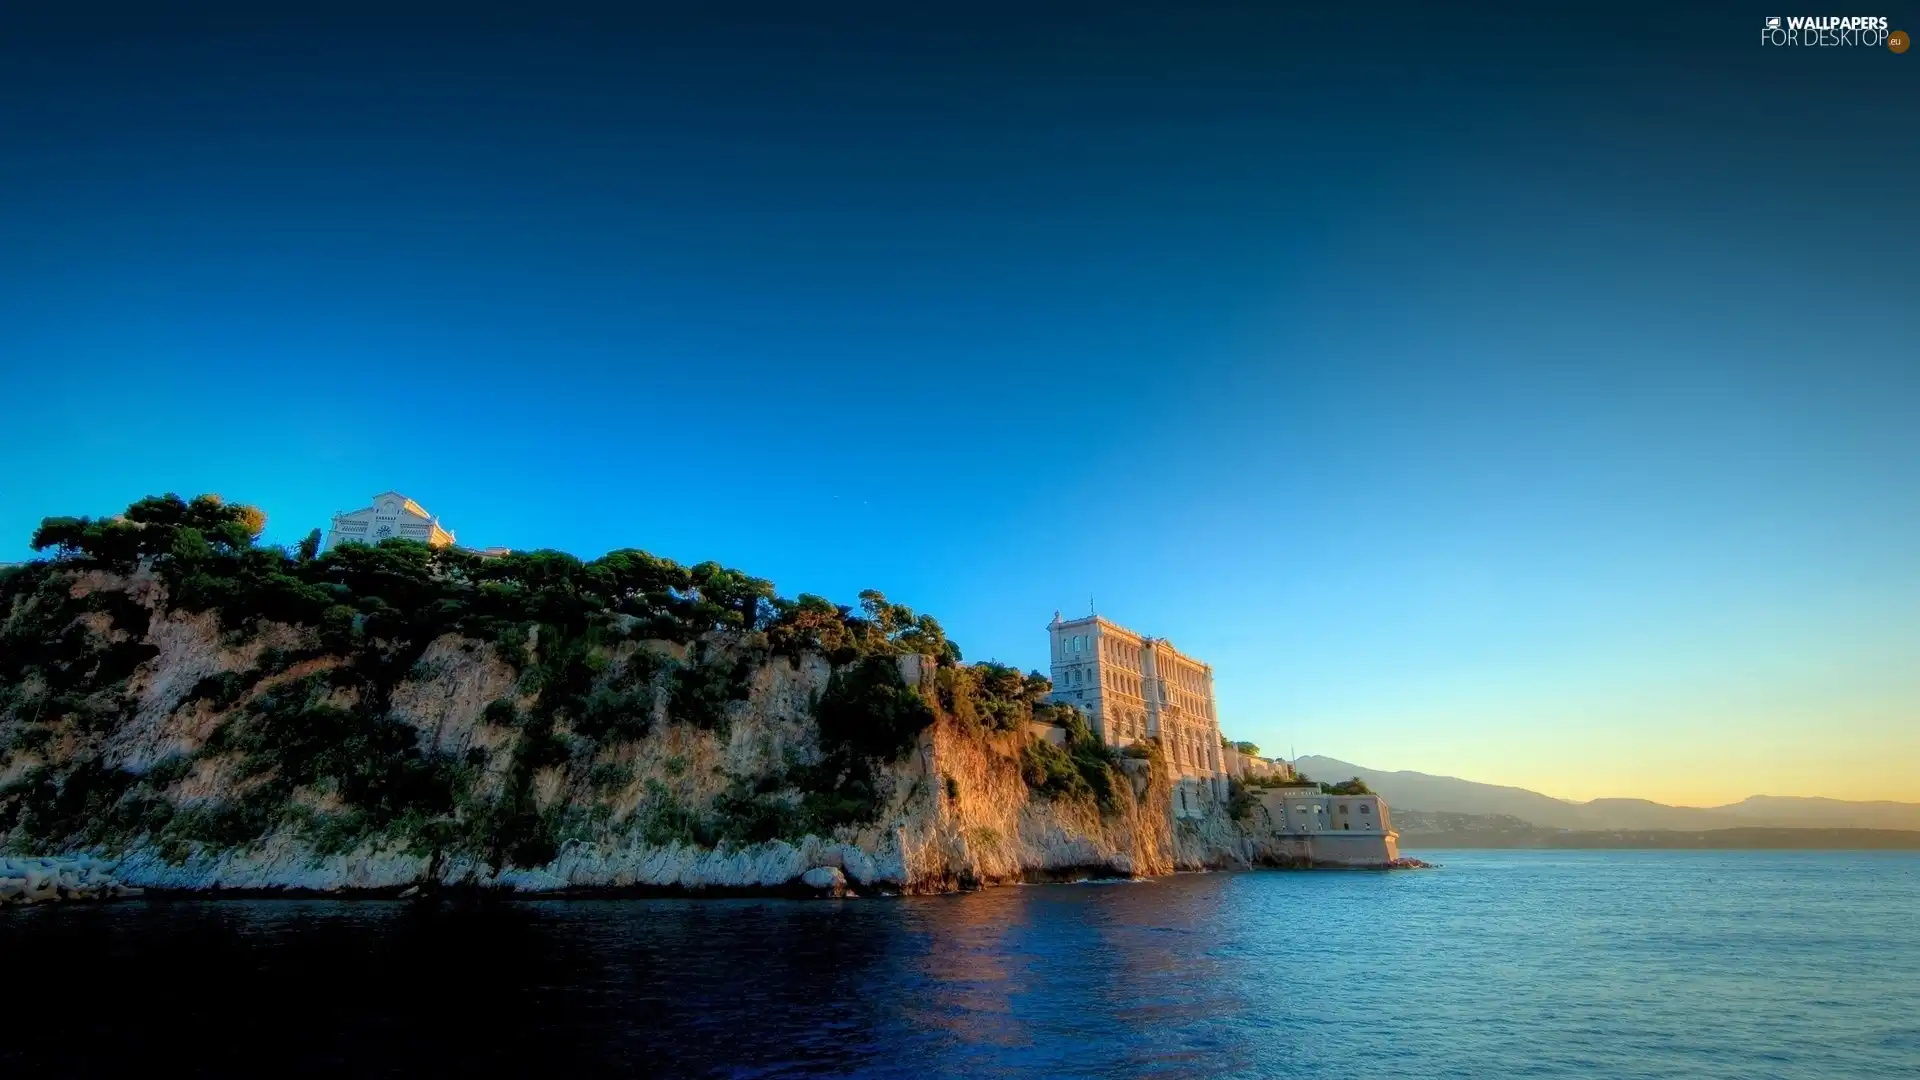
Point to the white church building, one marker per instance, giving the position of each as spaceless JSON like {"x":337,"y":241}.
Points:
{"x":391,"y":515}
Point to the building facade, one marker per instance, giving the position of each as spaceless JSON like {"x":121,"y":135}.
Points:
{"x":1242,"y":766}
{"x":1133,"y":687}
{"x":390,"y":515}
{"x":1350,"y":830}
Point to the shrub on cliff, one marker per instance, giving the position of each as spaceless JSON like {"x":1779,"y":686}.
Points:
{"x":53,"y":667}
{"x":294,"y":737}
{"x":992,"y":696}
{"x":1079,"y":732}
{"x":666,"y":819}
{"x":44,"y":810}
{"x":870,"y":712}
{"x":1051,"y":771}
{"x":699,"y":691}
{"x":1084,"y":769}
{"x":1098,"y":766}
{"x":1240,"y":801}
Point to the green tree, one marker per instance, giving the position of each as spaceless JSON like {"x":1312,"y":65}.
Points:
{"x":810,"y":623}
{"x":1038,"y":688}
{"x":150,"y":527}
{"x":868,"y":710}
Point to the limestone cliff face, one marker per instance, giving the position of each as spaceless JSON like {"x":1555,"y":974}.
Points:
{"x":162,"y":769}
{"x":993,"y":829}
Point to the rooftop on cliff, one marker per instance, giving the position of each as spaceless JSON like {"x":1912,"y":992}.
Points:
{"x":207,"y":552}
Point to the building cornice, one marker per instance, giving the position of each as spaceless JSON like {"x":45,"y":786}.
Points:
{"x":1107,"y":625}
{"x":1103,"y":623}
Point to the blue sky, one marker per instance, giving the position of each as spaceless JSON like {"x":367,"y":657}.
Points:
{"x":1531,"y":400}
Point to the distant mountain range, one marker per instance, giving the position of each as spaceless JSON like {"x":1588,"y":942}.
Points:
{"x":1448,"y":794}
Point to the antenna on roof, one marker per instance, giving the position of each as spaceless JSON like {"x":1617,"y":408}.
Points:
{"x":1091,"y":610}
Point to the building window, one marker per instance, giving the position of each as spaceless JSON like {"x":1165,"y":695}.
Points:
{"x":1363,"y":809}
{"x":1343,"y":808}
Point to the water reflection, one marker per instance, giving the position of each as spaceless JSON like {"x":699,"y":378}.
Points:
{"x":1553,"y":965}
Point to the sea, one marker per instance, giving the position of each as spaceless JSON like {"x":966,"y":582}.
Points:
{"x":1627,"y":964}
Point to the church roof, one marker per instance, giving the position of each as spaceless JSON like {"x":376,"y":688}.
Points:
{"x":405,"y":502}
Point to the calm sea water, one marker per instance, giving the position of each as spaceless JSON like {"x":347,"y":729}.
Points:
{"x":1590,"y":964}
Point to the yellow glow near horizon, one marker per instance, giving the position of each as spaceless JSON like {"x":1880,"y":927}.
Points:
{"x":1674,"y":752}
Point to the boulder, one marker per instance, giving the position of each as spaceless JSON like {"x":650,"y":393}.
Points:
{"x":826,"y":879}
{"x":42,"y":880}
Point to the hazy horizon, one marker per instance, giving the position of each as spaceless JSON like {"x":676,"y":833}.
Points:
{"x":1476,"y":780}
{"x":1527,"y":400}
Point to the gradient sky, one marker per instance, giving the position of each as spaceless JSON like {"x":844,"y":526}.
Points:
{"x":1533,"y":399}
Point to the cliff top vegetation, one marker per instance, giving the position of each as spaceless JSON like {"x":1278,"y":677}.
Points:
{"x":374,"y":610}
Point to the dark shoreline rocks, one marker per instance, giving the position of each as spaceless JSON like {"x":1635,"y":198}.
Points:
{"x":58,"y":879}
{"x":100,"y":886}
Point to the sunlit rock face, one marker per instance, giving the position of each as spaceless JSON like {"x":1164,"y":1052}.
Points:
{"x":268,"y":759}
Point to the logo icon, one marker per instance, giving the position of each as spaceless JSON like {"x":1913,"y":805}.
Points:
{"x":1898,"y":41}
{"x":1773,"y":22}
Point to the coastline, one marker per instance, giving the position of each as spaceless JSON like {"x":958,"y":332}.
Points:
{"x":102,"y":886}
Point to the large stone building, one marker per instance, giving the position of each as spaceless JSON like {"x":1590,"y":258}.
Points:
{"x":1343,"y":830}
{"x":1134,"y":687}
{"x":391,"y":515}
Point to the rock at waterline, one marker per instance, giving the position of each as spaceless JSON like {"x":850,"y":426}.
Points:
{"x":47,"y":880}
{"x":826,"y":879}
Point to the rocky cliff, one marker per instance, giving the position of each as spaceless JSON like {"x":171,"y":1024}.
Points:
{"x":195,"y":715}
